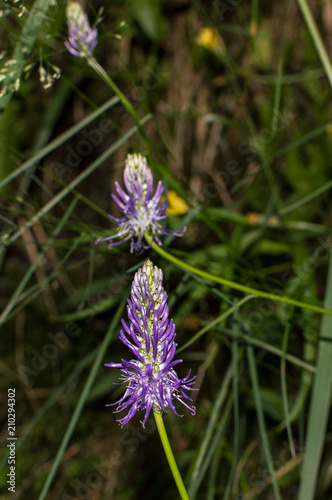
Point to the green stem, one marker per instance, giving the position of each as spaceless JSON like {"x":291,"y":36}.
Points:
{"x":169,"y":455}
{"x":127,"y":104}
{"x":232,"y":284}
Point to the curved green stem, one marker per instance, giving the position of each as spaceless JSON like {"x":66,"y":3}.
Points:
{"x":169,"y":455}
{"x":127,"y":104}
{"x":232,"y":284}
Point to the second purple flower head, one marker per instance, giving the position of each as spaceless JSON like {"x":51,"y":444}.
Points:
{"x":82,"y":38}
{"x":141,"y":208}
{"x":150,"y":378}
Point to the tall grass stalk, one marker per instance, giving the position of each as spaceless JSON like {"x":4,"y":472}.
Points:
{"x":320,"y":403}
{"x":81,"y":401}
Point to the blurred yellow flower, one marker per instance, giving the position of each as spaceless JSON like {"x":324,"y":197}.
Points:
{"x":255,"y":219}
{"x":209,"y":38}
{"x":176,"y":205}
{"x":329,"y":129}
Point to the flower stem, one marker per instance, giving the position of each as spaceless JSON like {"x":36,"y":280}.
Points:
{"x":232,"y":284}
{"x":107,"y":79}
{"x":169,"y":455}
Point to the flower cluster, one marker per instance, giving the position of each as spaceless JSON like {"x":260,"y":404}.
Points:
{"x":152,"y":382}
{"x":142,"y":210}
{"x":82,"y":38}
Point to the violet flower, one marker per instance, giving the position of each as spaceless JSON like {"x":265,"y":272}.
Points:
{"x":150,"y":378}
{"x":82,"y":38}
{"x":142,"y":210}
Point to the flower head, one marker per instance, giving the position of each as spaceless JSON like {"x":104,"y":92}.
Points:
{"x":82,"y":38}
{"x":142,"y":210}
{"x":152,"y":382}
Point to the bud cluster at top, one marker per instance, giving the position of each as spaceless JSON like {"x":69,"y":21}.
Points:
{"x":82,"y":38}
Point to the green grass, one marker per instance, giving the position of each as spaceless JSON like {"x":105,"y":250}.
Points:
{"x":241,"y":130}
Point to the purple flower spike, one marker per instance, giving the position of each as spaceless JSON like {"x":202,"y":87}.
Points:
{"x":141,"y":209}
{"x":150,"y":378}
{"x":82,"y":38}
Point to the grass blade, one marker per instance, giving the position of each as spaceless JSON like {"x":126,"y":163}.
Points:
{"x":59,"y":140}
{"x":203,"y":452}
{"x":316,"y":38}
{"x":49,"y":205}
{"x":19,"y":289}
{"x":213,"y":448}
{"x":49,"y":403}
{"x":261,"y":421}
